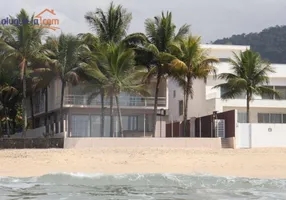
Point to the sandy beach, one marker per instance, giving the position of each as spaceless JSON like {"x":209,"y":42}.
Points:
{"x":260,"y":163}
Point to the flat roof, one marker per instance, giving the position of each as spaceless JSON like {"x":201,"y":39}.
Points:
{"x":227,"y":47}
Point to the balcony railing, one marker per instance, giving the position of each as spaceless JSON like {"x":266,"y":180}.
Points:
{"x":125,"y":101}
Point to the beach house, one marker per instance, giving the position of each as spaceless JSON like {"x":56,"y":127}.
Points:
{"x":206,"y":100}
{"x":82,"y":116}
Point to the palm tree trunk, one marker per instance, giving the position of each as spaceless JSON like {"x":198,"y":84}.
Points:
{"x":7,"y":121}
{"x":24,"y":110}
{"x":119,"y":116}
{"x":102,"y":113}
{"x":247,"y":107}
{"x":185,"y":118}
{"x":32,"y":111}
{"x":156,"y":104}
{"x":62,"y":105}
{"x":46,"y":110}
{"x":111,"y":115}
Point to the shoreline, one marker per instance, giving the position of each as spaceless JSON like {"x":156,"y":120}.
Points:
{"x":247,"y":163}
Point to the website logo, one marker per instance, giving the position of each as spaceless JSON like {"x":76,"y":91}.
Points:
{"x":47,"y":19}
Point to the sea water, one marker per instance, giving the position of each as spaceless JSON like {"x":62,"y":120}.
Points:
{"x":69,"y":186}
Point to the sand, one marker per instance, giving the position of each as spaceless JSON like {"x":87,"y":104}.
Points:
{"x":258,"y":163}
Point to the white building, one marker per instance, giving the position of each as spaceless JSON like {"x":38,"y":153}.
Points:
{"x":83,"y":117}
{"x":206,"y":99}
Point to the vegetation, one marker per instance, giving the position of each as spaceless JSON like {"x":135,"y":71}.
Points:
{"x":191,"y":63}
{"x":109,"y":62}
{"x":248,"y":77}
{"x":270,"y":43}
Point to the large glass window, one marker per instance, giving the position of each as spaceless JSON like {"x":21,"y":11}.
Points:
{"x":242,"y":117}
{"x":275,"y":118}
{"x":267,"y":96}
{"x":282,"y":91}
{"x":263,"y":118}
{"x":80,"y":126}
{"x":238,"y":96}
{"x":284,"y":118}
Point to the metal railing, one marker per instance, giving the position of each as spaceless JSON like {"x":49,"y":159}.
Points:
{"x":132,"y":101}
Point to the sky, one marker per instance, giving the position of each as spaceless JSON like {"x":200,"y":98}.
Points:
{"x":211,"y":19}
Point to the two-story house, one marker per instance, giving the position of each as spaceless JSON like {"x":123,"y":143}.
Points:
{"x":263,"y":109}
{"x":83,"y":117}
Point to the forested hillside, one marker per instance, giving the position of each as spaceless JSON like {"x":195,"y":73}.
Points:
{"x":270,"y":43}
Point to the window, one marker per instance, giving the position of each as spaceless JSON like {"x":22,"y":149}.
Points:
{"x":181,"y":107}
{"x":130,"y":123}
{"x":222,"y":91}
{"x":274,"y":118}
{"x":223,"y":59}
{"x":242,"y":117}
{"x":282,"y":91}
{"x":284,"y":118}
{"x":80,"y":126}
{"x":174,"y":94}
{"x":225,"y":90}
{"x":263,"y":118}
{"x":268,"y":96}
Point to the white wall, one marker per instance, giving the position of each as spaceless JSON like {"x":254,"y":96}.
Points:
{"x":261,"y":135}
{"x":174,"y":101}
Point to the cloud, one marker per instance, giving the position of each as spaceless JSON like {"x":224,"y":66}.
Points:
{"x":208,"y":18}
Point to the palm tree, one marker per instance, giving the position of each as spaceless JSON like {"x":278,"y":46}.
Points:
{"x":118,"y":73}
{"x":192,"y":63}
{"x":161,"y":38}
{"x":22,"y":43}
{"x":110,"y":26}
{"x":65,"y":54}
{"x":93,"y":44}
{"x":249,"y":76}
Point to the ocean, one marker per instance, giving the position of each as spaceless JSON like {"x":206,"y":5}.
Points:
{"x":77,"y":186}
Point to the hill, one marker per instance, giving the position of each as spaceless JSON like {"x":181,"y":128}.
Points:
{"x":270,"y":43}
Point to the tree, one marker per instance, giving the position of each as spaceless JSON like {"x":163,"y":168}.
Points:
{"x":117,"y":73}
{"x":65,"y":54}
{"x":23,"y":43}
{"x":110,"y":26}
{"x":249,"y":76}
{"x":161,"y":37}
{"x":192,"y":63}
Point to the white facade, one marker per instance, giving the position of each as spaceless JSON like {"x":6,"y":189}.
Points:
{"x":260,"y":135}
{"x":206,"y":99}
{"x":137,"y":111}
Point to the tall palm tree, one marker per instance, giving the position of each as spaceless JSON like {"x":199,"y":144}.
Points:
{"x":23,"y":43}
{"x":110,"y":26}
{"x":118,"y":73}
{"x":65,"y":54}
{"x":94,"y":46}
{"x":192,"y":63}
{"x":250,"y":75}
{"x":161,"y":37}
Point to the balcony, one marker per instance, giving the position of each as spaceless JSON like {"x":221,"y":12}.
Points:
{"x":124,"y":101}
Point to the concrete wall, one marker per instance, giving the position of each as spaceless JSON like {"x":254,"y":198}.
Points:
{"x":20,"y":143}
{"x":32,"y":133}
{"x":261,"y":135}
{"x":211,"y":143}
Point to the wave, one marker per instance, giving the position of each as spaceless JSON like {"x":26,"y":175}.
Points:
{"x":142,"y":186}
{"x":149,"y":176}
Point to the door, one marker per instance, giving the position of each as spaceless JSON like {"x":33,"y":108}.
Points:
{"x":243,"y":135}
